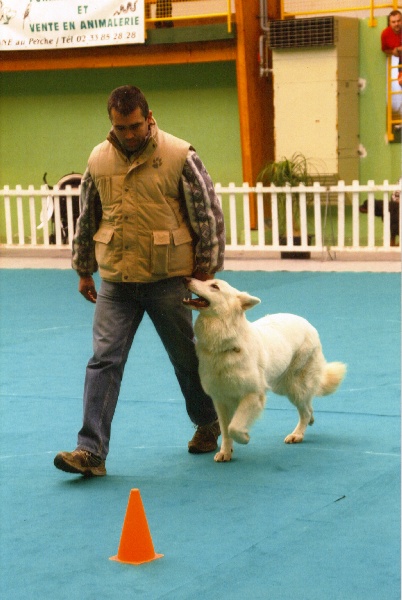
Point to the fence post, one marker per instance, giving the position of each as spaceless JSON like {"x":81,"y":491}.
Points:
{"x":260,"y":219}
{"x":371,"y":215}
{"x":20,"y":217}
{"x":289,"y":218}
{"x":341,"y":214}
{"x":246,"y":214}
{"x":232,"y":214}
{"x":45,"y":219}
{"x":317,"y":215}
{"x":32,"y":216}
{"x":70,"y":218}
{"x":275,"y":217}
{"x":355,"y":215}
{"x":57,"y":216}
{"x":7,"y":210}
{"x":386,"y":219}
{"x":303,"y":215}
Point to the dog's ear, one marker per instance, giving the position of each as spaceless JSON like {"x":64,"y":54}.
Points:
{"x":247,"y":301}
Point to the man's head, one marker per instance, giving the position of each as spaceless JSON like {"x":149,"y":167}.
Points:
{"x":130,"y":116}
{"x":126,"y":99}
{"x":395,"y":21}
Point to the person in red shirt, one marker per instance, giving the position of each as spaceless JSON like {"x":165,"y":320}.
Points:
{"x":391,"y":38}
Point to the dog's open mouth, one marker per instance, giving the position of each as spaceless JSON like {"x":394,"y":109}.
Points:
{"x":197,"y":302}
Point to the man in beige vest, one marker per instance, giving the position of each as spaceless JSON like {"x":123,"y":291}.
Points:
{"x":149,"y":217}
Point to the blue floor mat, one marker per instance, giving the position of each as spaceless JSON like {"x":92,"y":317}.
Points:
{"x":319,"y":520}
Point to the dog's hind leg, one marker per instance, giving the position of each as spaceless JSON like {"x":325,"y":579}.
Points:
{"x":306,"y":418}
{"x":248,"y":411}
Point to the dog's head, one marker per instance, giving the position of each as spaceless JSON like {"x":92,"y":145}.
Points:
{"x":215,"y":297}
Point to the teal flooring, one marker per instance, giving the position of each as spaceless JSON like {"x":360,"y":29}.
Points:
{"x":316,"y":521}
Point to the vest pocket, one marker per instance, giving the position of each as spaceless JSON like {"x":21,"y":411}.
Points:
{"x":103,"y":247}
{"x":181,"y":236}
{"x":160,"y":252}
{"x":181,"y":258}
{"x":104,"y":235}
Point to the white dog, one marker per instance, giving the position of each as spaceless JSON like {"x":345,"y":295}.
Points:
{"x":239,"y":361}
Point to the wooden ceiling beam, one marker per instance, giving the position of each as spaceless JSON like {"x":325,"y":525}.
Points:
{"x":118,"y":56}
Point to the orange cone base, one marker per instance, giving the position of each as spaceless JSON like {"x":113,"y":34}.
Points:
{"x":129,"y":562}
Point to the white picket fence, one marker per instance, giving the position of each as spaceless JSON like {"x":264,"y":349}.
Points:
{"x":331,"y":208}
{"x":330,"y":219}
{"x":32,"y":217}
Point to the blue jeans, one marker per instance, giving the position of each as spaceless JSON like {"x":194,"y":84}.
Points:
{"x":119,"y":310}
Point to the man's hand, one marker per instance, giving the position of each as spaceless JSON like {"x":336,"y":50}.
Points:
{"x":201,"y":275}
{"x":86,"y":287}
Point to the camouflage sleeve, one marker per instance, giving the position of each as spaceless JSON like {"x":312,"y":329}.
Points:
{"x":205,"y":215}
{"x":83,"y":258}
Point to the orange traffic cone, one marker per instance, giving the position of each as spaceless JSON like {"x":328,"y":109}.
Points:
{"x":136,"y":545}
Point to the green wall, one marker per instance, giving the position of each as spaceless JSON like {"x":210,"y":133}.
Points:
{"x":51,"y":120}
{"x":383,"y":160}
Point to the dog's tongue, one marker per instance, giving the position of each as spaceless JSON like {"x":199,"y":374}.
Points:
{"x":197,"y":302}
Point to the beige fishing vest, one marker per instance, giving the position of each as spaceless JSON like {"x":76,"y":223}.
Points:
{"x":143,"y":235}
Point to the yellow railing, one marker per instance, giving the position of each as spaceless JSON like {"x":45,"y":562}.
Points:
{"x":394,"y":93}
{"x":164,"y":11}
{"x":304,"y":8}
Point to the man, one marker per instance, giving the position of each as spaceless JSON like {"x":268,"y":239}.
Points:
{"x":391,"y":38}
{"x":149,"y":217}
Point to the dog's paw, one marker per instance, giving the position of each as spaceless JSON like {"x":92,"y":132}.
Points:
{"x":294,"y":438}
{"x":241,"y":437}
{"x":223,"y":456}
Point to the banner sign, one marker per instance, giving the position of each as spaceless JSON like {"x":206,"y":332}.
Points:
{"x":52,"y":24}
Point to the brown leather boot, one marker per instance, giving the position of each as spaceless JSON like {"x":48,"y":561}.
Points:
{"x":80,"y":461}
{"x":205,"y":438}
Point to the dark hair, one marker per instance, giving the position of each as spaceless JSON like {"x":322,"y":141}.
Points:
{"x":126,"y":99}
{"x":393,"y":13}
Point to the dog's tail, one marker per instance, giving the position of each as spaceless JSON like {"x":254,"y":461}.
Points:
{"x":333,"y":375}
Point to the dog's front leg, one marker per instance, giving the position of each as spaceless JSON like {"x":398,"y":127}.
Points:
{"x":247,"y":412}
{"x":226,"y":450}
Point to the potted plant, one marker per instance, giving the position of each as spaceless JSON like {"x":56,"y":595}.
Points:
{"x":287,"y":172}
